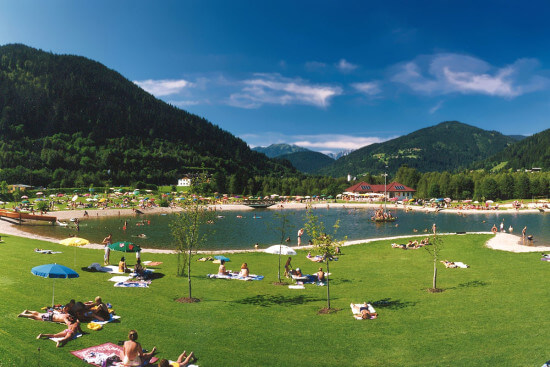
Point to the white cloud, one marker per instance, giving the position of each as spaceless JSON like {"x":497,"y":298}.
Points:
{"x":275,"y":89}
{"x":345,"y":66}
{"x":324,"y":143}
{"x":454,"y":73}
{"x":368,"y":88}
{"x":163,"y":87}
{"x":435,"y":108}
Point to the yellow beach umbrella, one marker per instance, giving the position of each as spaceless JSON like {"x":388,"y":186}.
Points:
{"x":74,"y":242}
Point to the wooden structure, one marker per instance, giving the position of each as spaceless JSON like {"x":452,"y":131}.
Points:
{"x":259,"y":203}
{"x":26,"y":216}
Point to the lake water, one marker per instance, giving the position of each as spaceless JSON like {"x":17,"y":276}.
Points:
{"x":260,"y":226}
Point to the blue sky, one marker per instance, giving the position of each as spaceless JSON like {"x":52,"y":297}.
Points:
{"x":326,"y":75}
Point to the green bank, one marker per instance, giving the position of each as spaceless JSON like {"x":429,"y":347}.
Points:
{"x":493,"y":313}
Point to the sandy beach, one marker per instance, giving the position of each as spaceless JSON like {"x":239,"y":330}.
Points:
{"x":501,"y":241}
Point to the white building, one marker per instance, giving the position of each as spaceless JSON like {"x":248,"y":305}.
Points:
{"x":185,"y":181}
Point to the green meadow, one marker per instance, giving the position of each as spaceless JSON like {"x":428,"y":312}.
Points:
{"x":491,"y":314}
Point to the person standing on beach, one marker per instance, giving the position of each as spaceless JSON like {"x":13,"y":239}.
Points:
{"x":523,"y":234}
{"x":502,"y":226}
{"x":300,"y":234}
{"x":107,"y":241}
{"x":434,"y":228}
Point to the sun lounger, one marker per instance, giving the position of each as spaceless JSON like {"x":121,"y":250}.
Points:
{"x":235,"y":276}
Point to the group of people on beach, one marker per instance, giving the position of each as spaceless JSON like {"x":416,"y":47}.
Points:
{"x":72,"y":314}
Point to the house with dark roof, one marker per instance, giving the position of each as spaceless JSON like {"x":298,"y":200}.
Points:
{"x":393,"y":190}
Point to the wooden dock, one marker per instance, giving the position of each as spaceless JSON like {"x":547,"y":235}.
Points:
{"x":26,"y":216}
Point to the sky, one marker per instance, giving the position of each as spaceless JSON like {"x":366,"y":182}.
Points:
{"x":325,"y":75}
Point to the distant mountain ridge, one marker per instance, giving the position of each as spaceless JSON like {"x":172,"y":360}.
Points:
{"x":530,"y":152}
{"x":447,"y":146}
{"x":277,"y":150}
{"x":307,"y":161}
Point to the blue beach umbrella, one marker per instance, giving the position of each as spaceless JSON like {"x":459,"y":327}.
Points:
{"x":54,"y":271}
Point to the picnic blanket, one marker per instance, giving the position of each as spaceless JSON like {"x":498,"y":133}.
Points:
{"x":47,"y":251}
{"x":103,"y":355}
{"x":235,"y":276}
{"x":357,"y":313}
{"x":134,"y":284}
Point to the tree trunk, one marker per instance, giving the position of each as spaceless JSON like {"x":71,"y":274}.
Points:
{"x":328,"y":286}
{"x":435,"y":274}
{"x":189,"y":272}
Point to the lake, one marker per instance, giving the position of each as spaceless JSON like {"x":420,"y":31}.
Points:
{"x":242,"y":229}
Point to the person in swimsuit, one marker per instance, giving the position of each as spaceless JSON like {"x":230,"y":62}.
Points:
{"x":132,"y":354}
{"x":100,"y":311}
{"x":364,"y":310}
{"x":183,"y":360}
{"x":107,"y":241}
{"x":221,"y":269}
{"x":288,"y":267}
{"x":73,"y":328}
{"x":321,"y":275}
{"x":244,"y":270}
{"x":47,"y":316}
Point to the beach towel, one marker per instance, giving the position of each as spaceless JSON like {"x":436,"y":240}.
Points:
{"x":296,"y":286}
{"x":133,"y":284}
{"x":152,"y":263}
{"x":235,"y":276}
{"x":74,"y":337}
{"x":357,"y":314}
{"x":105,"y":269}
{"x":120,"y":278}
{"x":104,"y":355}
{"x":47,"y":252}
{"x":112,"y":318}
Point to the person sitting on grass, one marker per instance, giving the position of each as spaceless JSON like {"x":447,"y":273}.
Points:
{"x":321,"y":275}
{"x":73,"y":328}
{"x":183,"y":360}
{"x":221,"y":269}
{"x":363,"y":310}
{"x":132,"y":354}
{"x":139,"y":269}
{"x":122,"y":268}
{"x":244,"y":271}
{"x":100,"y":311}
{"x":297,"y":272}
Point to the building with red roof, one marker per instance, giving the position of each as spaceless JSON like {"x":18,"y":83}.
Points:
{"x":393,"y":190}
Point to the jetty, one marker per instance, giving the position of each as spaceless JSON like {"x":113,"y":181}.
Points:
{"x":26,"y":216}
{"x":257,"y":204}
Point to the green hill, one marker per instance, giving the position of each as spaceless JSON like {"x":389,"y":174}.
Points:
{"x":533,"y":151}
{"x":446,"y":146}
{"x":66,"y":120}
{"x":277,"y":150}
{"x":308,"y":161}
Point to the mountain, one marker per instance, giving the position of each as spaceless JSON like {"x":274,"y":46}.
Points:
{"x":340,"y":154}
{"x":447,"y":146}
{"x":517,"y":137}
{"x":533,"y":151}
{"x":277,"y":150}
{"x":67,"y":120}
{"x":307,"y":161}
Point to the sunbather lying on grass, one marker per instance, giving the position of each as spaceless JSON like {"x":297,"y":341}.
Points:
{"x":73,"y":328}
{"x":46,"y":316}
{"x":182,"y":361}
{"x":363,"y":311}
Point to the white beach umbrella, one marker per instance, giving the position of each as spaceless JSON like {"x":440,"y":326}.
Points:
{"x":280,"y":249}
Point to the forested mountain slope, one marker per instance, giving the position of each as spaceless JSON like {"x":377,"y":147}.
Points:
{"x":443,"y":147}
{"x":308,"y":161}
{"x":67,"y":120}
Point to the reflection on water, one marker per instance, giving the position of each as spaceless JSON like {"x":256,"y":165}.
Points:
{"x":242,"y":229}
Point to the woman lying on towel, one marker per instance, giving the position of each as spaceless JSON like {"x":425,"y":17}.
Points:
{"x":183,"y":360}
{"x":364,"y":311}
{"x":73,"y":328}
{"x":132,"y":354}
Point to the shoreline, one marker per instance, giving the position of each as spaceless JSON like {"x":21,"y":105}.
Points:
{"x":501,"y":241}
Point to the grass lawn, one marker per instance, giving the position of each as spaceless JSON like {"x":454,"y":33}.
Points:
{"x":492,"y":314}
